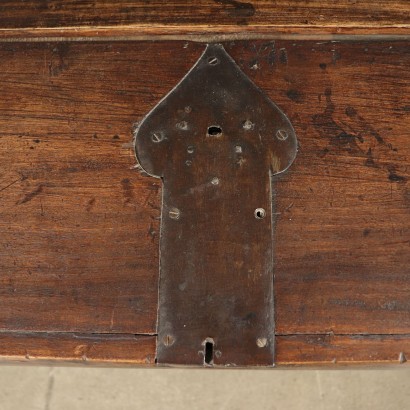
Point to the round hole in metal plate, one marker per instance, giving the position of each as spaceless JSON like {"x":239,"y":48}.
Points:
{"x":260,"y":213}
{"x":214,"y":131}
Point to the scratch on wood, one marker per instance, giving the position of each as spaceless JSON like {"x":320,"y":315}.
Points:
{"x":128,"y":190}
{"x":28,"y":197}
{"x":112,"y":319}
{"x":90,"y":204}
{"x":9,"y":185}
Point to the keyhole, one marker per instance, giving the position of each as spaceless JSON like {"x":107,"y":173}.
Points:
{"x":209,"y":352}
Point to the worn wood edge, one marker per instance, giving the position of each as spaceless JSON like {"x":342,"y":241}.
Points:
{"x":342,"y":350}
{"x":207,"y":33}
{"x":75,"y":348}
{"x":301,"y":350}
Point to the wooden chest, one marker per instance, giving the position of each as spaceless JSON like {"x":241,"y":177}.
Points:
{"x":80,"y":222}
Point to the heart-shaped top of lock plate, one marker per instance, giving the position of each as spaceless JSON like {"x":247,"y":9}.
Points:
{"x":215,"y":100}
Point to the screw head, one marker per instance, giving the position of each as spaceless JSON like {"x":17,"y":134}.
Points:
{"x":282,"y":135}
{"x":174,"y":213}
{"x":213,"y":60}
{"x":261,"y":342}
{"x":157,"y":137}
{"x":168,"y":340}
{"x":215,"y":181}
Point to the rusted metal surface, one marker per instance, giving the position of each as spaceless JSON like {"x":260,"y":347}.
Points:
{"x":216,"y":140}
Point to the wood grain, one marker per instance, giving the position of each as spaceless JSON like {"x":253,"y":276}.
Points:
{"x":330,"y":350}
{"x":79,"y":226}
{"x":77,"y":348}
{"x":343,"y":217}
{"x":80,"y":18}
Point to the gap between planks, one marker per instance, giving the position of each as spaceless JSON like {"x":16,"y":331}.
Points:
{"x":203,"y":34}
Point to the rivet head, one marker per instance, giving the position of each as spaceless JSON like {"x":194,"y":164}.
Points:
{"x":157,"y":137}
{"x":261,"y":342}
{"x":174,"y":213}
{"x":282,"y":135}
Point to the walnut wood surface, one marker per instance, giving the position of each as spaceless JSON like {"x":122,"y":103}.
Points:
{"x":125,"y":18}
{"x":330,"y":350}
{"x":79,"y":225}
{"x":123,"y":350}
{"x":77,"y":348}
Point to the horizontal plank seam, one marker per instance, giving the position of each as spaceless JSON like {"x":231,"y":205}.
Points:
{"x":152,"y":26}
{"x":344,"y":334}
{"x":132,"y":335}
{"x":204,"y":38}
{"x":74,"y":334}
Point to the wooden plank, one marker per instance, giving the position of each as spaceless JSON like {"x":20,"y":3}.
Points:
{"x":79,"y":227}
{"x":123,"y":350}
{"x":343,"y":220}
{"x":123,"y":18}
{"x":331,"y":350}
{"x":76,"y":348}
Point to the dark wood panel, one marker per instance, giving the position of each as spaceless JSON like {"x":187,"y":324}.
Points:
{"x":176,"y":17}
{"x":330,"y":350}
{"x":79,"y":226}
{"x":76,"y":348}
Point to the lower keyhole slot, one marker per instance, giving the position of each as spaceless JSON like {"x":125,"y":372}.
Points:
{"x":209,"y":353}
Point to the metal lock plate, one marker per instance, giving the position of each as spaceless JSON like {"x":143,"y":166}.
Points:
{"x":216,"y":140}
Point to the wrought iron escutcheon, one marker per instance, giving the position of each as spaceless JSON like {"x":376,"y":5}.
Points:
{"x":216,"y":140}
